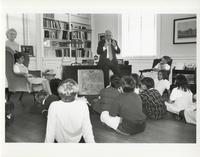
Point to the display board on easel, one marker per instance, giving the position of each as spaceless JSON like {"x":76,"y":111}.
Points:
{"x":90,"y":81}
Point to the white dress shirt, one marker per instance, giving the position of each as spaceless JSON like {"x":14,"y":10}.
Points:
{"x":68,"y":122}
{"x":108,"y":48}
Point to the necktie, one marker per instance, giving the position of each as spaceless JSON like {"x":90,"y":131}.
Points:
{"x":110,"y":51}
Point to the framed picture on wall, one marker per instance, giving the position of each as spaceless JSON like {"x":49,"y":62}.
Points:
{"x":185,"y":30}
{"x":101,"y":36}
{"x":27,"y":49}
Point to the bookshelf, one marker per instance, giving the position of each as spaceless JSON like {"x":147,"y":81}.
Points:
{"x":67,"y":36}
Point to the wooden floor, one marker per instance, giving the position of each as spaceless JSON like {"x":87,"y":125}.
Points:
{"x":30,"y":128}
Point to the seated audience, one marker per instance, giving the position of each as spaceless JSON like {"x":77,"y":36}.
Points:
{"x":20,"y":69}
{"x":125,"y":115}
{"x":163,"y":64}
{"x":181,"y":96}
{"x":43,"y":101}
{"x":108,"y":95}
{"x":152,"y":101}
{"x":162,"y":84}
{"x":138,"y":82}
{"x":68,"y":119}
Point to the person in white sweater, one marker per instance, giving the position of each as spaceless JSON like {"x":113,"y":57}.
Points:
{"x":162,"y":83}
{"x":181,"y":96}
{"x":68,"y":119}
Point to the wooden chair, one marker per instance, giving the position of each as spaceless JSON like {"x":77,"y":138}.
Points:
{"x":155,"y":62}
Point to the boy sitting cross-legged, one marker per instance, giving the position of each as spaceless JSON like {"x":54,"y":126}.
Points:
{"x":108,"y":95}
{"x":125,"y":115}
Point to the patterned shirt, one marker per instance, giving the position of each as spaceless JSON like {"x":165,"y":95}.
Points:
{"x":153,"y":104}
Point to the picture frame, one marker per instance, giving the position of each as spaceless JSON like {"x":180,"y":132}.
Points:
{"x":101,"y":36}
{"x":27,"y":49}
{"x":184,"y":30}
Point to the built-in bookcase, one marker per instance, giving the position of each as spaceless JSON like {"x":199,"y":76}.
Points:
{"x":67,"y":35}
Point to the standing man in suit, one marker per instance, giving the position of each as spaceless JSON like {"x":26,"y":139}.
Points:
{"x":107,"y":49}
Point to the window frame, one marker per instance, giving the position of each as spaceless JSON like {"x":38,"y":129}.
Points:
{"x":158,"y":31}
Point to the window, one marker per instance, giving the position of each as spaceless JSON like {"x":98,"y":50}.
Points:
{"x":139,"y":35}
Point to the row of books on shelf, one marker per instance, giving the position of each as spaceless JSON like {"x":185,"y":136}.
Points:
{"x":84,"y":53}
{"x":80,"y":35}
{"x":65,"y":52}
{"x":85,"y":44}
{"x":55,"y":34}
{"x":80,"y":27}
{"x":53,"y":24}
{"x":48,"y":16}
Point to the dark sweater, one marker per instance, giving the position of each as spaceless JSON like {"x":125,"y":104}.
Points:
{"x":128,"y":106}
{"x":107,"y":96}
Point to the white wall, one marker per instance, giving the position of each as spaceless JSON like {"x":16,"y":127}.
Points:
{"x":166,"y":38}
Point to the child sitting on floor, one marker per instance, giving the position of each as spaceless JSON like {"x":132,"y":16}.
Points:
{"x":125,"y":115}
{"x":43,"y":101}
{"x":181,"y":96}
{"x":137,"y":82}
{"x":69,"y":119}
{"x":152,"y":101}
{"x":108,"y":94}
{"x":162,"y":84}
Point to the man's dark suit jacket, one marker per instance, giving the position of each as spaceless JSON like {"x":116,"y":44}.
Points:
{"x":103,"y":54}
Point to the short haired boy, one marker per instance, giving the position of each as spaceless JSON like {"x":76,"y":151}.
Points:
{"x":125,"y":115}
{"x":68,"y":119}
{"x":108,"y":95}
{"x":152,"y":101}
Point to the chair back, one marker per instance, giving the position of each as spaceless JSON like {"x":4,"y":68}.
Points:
{"x":155,"y":62}
{"x":15,"y":82}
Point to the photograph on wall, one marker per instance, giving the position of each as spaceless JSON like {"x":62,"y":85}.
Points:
{"x":185,"y":30}
{"x":27,"y":49}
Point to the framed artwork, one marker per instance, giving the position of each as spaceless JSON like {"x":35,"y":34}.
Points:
{"x":27,"y":49}
{"x":101,"y":36}
{"x":185,"y":30}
